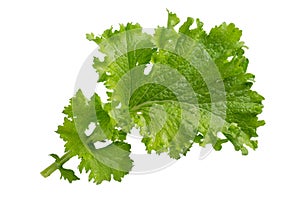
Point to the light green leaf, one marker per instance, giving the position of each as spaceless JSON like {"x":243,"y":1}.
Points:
{"x":196,"y":90}
{"x":66,"y":174}
{"x":102,"y":164}
{"x":241,"y":104}
{"x":216,"y":86}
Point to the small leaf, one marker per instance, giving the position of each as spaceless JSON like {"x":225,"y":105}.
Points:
{"x":68,"y":174}
{"x":56,"y":157}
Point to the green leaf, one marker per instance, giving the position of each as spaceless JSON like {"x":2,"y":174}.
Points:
{"x":173,"y":20}
{"x":241,"y":105}
{"x":125,"y":49}
{"x":102,"y":164}
{"x":196,"y":90}
{"x":212,"y":65}
{"x":111,"y":161}
{"x":66,"y":174}
{"x":167,"y":113}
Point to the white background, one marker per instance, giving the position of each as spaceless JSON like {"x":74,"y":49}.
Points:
{"x":42,"y":47}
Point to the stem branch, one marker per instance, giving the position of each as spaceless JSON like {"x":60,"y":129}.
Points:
{"x":56,"y":165}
